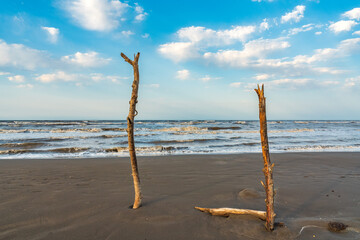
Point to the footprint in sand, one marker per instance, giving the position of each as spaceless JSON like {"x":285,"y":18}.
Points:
{"x":249,"y":193}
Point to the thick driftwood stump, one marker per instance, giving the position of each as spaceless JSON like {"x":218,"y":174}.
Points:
{"x":130,"y":129}
{"x":268,"y":167}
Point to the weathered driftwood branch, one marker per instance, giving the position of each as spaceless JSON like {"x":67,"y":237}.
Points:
{"x":268,"y":167}
{"x":130,"y":128}
{"x":227,"y":211}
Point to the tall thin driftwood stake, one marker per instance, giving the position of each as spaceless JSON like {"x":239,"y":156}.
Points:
{"x":130,"y":128}
{"x":268,"y":167}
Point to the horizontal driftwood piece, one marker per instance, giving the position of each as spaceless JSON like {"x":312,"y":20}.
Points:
{"x":227,"y":211}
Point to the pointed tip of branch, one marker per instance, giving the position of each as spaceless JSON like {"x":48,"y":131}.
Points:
{"x":260,"y":91}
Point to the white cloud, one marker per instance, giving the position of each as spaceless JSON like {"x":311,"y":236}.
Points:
{"x":17,"y":78}
{"x":329,"y":83}
{"x":210,"y":37}
{"x":295,"y":16}
{"x":260,"y":77}
{"x":154,"y":85}
{"x":352,"y":82}
{"x":141,"y":14}
{"x":262,"y":0}
{"x":4,"y":73}
{"x":353,"y":14}
{"x":88,"y":59}
{"x":97,"y":77}
{"x":183,"y":74}
{"x":145,"y":35}
{"x":58,"y":76}
{"x":356,"y":33}
{"x":96,"y":15}
{"x":344,"y":48}
{"x":196,"y":39}
{"x":342,"y":26}
{"x":247,"y":57}
{"x":53,"y":33}
{"x":318,"y":33}
{"x":179,"y":51}
{"x":236,"y":84}
{"x":304,"y":28}
{"x":20,"y":56}
{"x":25,"y":86}
{"x":264,"y":25}
{"x":127,"y":33}
{"x":208,"y":78}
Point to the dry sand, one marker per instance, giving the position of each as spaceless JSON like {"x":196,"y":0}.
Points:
{"x":89,"y":198}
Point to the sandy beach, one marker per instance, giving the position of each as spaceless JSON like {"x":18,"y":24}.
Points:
{"x":90,"y":198}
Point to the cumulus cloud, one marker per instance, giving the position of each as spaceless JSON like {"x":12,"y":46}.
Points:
{"x":353,"y":14}
{"x":183,"y":74}
{"x":53,"y":33}
{"x":193,"y":40}
{"x":342,"y":26}
{"x":352,"y":82}
{"x":4,"y":73}
{"x":97,"y":77}
{"x":17,"y":78}
{"x":179,"y":51}
{"x":262,"y":0}
{"x":20,"y":56}
{"x":208,"y":78}
{"x":96,"y":15}
{"x":25,"y":86}
{"x":210,"y":37}
{"x":87,"y":59}
{"x":252,"y":50}
{"x":58,"y":76}
{"x":304,"y":28}
{"x":127,"y":33}
{"x":235,"y":84}
{"x":356,"y":33}
{"x":295,"y":16}
{"x":141,"y":14}
{"x":260,"y":77}
{"x":264,"y":25}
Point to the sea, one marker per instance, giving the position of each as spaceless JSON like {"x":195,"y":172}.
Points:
{"x":97,"y":139}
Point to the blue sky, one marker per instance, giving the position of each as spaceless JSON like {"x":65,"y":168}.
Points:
{"x":199,"y":59}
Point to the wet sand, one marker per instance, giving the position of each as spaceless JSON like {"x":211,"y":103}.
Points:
{"x":89,"y":198}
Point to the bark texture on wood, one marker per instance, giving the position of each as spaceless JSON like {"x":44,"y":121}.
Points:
{"x":227,"y":211}
{"x":130,"y":128}
{"x":268,"y":167}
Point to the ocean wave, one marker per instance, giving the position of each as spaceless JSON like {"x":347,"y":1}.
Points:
{"x":223,"y":128}
{"x":67,"y":150}
{"x":274,"y":122}
{"x":182,"y":141}
{"x":292,"y":130}
{"x":22,"y":130}
{"x":302,"y":122}
{"x":66,"y":130}
{"x":26,"y":145}
{"x":321,"y":148}
{"x":180,"y":129}
{"x":145,"y":149}
{"x":240,"y":122}
{"x":114,"y":129}
{"x":16,"y":151}
{"x":55,"y":150}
